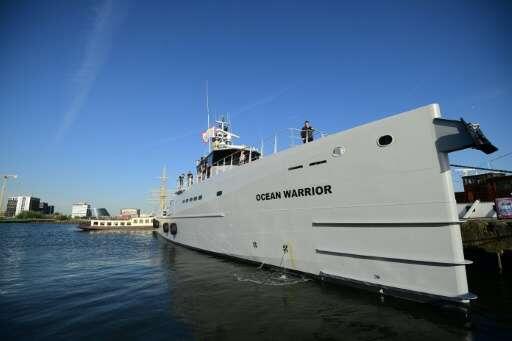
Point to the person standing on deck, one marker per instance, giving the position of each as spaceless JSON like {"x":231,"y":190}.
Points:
{"x":306,"y":133}
{"x":200,"y":169}
{"x":242,"y":157}
{"x":181,"y":178}
{"x":190,"y":178}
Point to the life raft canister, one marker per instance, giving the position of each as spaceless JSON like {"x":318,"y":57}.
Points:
{"x":166,"y":227}
{"x":174,"y":229}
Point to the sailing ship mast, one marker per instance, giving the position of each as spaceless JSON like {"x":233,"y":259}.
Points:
{"x":163,"y":189}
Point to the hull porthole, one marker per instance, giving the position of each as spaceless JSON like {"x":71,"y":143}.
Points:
{"x":174,"y":229}
{"x":166,"y":227}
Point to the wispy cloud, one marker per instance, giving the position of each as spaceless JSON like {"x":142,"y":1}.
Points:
{"x":262,"y":101}
{"x":164,"y":142}
{"x":96,"y":53}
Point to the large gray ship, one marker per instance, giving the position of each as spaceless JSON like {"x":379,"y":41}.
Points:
{"x":371,"y":206}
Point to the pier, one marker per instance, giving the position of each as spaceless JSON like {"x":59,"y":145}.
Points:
{"x":488,"y":236}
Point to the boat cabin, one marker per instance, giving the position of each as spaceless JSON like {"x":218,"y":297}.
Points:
{"x":222,"y":159}
{"x":223,"y":155}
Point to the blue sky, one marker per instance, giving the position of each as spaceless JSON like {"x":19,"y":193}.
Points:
{"x":96,"y":96}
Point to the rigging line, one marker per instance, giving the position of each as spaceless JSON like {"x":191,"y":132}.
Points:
{"x":500,"y":157}
{"x":482,"y":168}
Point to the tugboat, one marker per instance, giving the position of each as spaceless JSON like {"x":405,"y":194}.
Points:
{"x":372,"y":206}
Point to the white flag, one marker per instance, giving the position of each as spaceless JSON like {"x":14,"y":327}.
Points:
{"x":208,"y":133}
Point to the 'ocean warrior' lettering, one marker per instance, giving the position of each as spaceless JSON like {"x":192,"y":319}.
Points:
{"x":295,"y":193}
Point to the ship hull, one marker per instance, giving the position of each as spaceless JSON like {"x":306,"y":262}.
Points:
{"x":343,"y":208}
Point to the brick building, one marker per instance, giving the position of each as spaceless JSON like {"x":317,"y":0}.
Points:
{"x":485,"y":187}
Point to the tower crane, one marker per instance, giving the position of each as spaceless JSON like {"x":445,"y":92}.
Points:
{"x":5,"y":177}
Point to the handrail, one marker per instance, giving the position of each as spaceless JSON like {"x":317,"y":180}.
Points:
{"x":293,"y":135}
{"x":318,"y":133}
{"x":217,"y":163}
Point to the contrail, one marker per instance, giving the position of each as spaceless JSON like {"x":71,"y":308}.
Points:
{"x":96,"y":52}
{"x":261,"y":101}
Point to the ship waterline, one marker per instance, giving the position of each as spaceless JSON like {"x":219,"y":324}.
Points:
{"x":380,"y":214}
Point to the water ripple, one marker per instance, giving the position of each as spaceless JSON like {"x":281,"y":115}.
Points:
{"x":59,"y":283}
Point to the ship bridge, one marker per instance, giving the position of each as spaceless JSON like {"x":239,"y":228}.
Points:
{"x":224,"y":155}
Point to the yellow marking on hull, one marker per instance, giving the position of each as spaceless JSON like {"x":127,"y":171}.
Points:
{"x":290,"y":252}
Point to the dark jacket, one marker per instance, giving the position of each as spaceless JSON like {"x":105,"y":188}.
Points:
{"x":307,"y":133}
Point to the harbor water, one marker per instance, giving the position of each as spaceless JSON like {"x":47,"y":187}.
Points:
{"x":59,"y":283}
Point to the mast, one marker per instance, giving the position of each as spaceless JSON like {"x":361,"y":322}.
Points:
{"x":163,"y":189}
{"x":208,"y":112}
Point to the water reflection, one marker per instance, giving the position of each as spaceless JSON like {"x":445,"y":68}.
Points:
{"x":56,"y":282}
{"x":222,"y":299}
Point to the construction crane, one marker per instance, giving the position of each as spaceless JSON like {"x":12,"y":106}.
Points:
{"x":4,"y":187}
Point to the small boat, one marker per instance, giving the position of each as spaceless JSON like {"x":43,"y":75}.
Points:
{"x":132,"y":224}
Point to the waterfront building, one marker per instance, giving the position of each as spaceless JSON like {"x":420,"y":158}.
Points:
{"x":16,"y":205}
{"x":100,"y":212}
{"x":43,"y":207}
{"x":81,"y":210}
{"x":130,"y":213}
{"x":11,"y":207}
{"x":485,"y":187}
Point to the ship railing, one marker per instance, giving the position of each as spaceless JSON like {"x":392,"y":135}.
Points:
{"x":227,"y":162}
{"x":293,"y":135}
{"x":285,"y":139}
{"x":296,"y":138}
